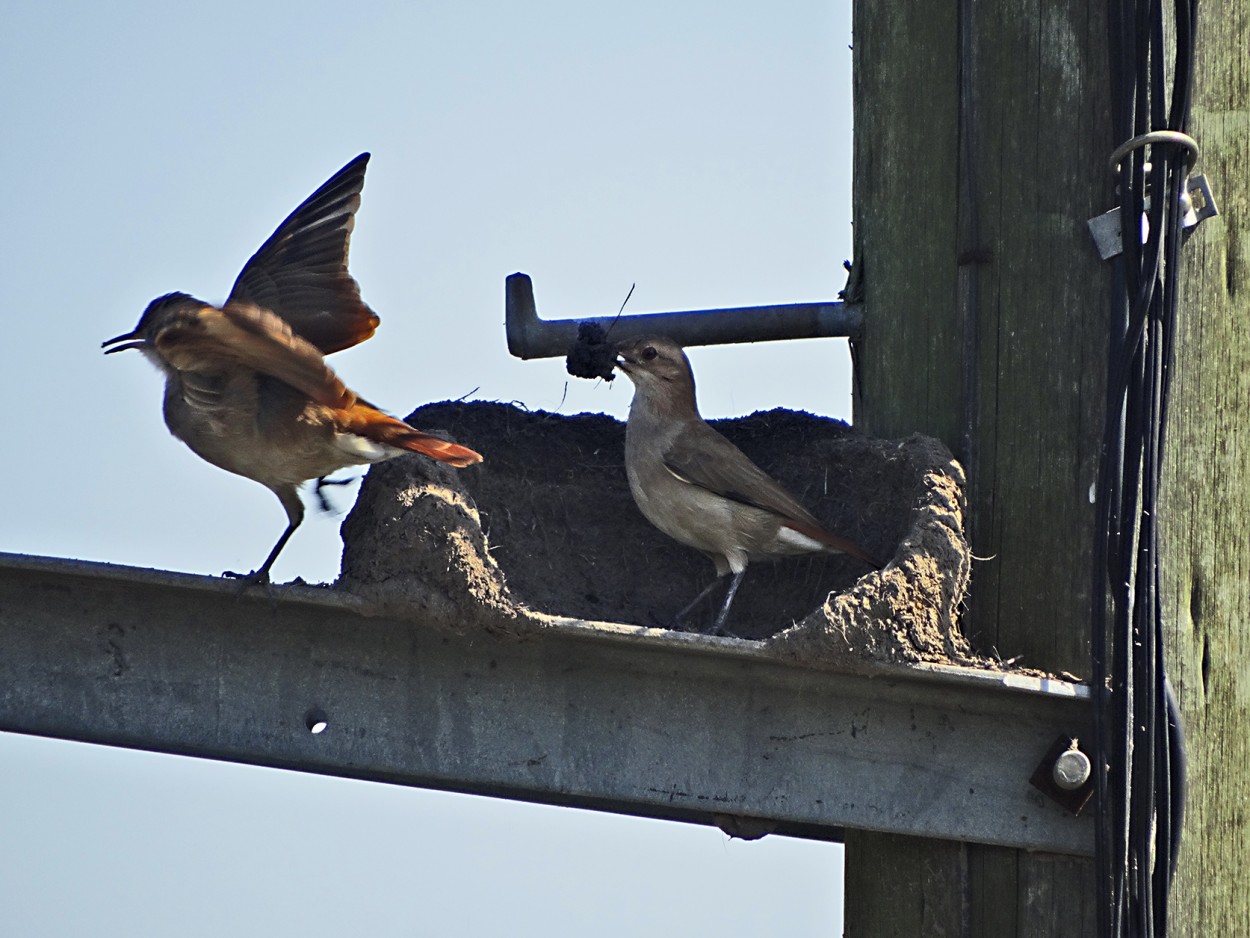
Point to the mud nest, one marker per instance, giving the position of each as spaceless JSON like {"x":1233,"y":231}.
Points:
{"x":546,"y":528}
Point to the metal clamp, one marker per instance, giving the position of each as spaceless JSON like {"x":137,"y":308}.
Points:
{"x":531,"y":337}
{"x":1197,"y":204}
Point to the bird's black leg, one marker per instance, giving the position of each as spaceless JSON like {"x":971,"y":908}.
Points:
{"x":322,"y":483}
{"x":289,"y":496}
{"x":680,"y":618}
{"x":262,"y":575}
{"x":723,"y":615}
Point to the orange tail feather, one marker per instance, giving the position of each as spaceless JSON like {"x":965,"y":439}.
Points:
{"x":383,"y":428}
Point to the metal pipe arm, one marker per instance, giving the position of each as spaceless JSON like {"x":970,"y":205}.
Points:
{"x":532,"y":337}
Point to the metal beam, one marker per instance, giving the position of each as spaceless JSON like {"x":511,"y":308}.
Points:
{"x":594,"y":715}
{"x":532,"y":337}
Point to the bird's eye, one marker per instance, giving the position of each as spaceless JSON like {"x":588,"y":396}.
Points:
{"x":649,"y":352}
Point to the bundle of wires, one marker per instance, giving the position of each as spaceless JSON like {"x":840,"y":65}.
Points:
{"x":1140,"y":762}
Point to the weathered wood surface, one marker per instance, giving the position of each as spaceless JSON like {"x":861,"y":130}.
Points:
{"x":943,"y":888}
{"x":1035,"y":173}
{"x":974,"y":254}
{"x":1206,"y":497}
{"x":1038,"y":151}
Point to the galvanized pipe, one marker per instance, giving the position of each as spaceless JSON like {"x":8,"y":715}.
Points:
{"x":531,"y":337}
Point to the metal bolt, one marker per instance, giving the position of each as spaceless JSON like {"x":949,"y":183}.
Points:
{"x":1072,"y":769}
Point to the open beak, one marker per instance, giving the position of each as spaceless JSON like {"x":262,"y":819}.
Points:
{"x":620,"y":360}
{"x":128,"y":338}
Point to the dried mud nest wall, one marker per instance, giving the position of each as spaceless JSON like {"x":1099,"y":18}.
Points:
{"x":546,"y":528}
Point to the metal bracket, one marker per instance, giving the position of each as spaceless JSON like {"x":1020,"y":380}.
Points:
{"x":715,"y":730}
{"x":1197,"y":202}
{"x":531,"y":337}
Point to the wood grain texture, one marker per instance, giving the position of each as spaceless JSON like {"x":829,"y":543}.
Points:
{"x":906,"y":108}
{"x":1033,"y":174}
{"x":974,"y":254}
{"x":1205,"y":519}
{"x":1042,"y":325}
{"x":1036,"y":153}
{"x":1029,"y":895}
{"x":917,"y":886}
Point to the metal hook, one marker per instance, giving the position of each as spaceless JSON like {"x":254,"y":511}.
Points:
{"x":1155,"y":136}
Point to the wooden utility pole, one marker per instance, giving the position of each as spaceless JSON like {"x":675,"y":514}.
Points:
{"x":982,"y":134}
{"x":1206,"y":496}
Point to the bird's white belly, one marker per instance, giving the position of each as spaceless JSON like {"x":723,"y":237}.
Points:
{"x":361,"y":450}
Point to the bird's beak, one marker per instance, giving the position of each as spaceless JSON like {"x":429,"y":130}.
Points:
{"x":128,"y":338}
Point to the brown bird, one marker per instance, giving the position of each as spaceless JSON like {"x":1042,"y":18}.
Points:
{"x":697,"y":487}
{"x":246,"y":383}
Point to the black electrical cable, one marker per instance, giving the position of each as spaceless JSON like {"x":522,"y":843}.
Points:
{"x":1140,"y":764}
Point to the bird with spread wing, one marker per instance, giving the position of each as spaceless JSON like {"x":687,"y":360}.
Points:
{"x":247,"y":387}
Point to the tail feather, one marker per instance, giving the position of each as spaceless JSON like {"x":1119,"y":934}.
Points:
{"x":374,"y":425}
{"x":835,"y":542}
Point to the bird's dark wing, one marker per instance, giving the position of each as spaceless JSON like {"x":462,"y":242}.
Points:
{"x":211,"y":340}
{"x":701,"y":456}
{"x":300,"y":273}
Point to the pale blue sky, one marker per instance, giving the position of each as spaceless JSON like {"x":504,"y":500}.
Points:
{"x":698,"y":149}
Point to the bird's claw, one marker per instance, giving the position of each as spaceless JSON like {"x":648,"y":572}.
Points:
{"x":322,"y":482}
{"x":248,"y":580}
{"x":717,"y":630}
{"x":681,"y":624}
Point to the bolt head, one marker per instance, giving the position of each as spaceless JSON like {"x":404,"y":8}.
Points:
{"x":1072,"y":770}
